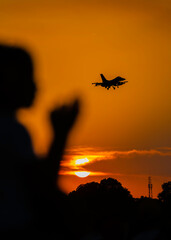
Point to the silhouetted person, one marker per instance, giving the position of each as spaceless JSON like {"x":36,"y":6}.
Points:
{"x":29,"y":199}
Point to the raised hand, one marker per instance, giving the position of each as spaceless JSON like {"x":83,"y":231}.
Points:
{"x":63,"y":118}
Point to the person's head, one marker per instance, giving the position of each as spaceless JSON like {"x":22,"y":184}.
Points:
{"x":17,"y":87}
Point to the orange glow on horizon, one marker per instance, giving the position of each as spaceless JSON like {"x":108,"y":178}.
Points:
{"x":125,"y":166}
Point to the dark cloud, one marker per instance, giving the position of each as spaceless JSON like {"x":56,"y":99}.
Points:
{"x":134,"y":163}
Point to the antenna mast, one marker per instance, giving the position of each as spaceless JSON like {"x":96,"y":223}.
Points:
{"x":150,"y":186}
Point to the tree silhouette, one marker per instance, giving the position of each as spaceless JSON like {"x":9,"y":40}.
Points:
{"x":103,"y":207}
{"x":165,"y":198}
{"x":165,"y":195}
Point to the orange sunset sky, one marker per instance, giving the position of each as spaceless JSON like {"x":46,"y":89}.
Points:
{"x":124,"y":134}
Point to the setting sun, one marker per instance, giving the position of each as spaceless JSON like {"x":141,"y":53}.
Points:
{"x":82,"y":174}
{"x":81,"y":161}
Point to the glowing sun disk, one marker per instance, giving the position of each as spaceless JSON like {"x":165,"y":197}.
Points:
{"x":82,"y":174}
{"x":81,"y":161}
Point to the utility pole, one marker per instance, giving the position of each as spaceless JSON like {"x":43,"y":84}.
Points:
{"x":150,"y":186}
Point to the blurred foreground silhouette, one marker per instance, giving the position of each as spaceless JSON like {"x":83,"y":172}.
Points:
{"x":30,"y":203}
{"x":31,"y":206}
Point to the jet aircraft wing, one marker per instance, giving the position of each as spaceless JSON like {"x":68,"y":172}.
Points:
{"x":119,"y":78}
{"x":97,"y":84}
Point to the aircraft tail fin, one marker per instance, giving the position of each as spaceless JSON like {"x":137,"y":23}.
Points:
{"x":103,"y":78}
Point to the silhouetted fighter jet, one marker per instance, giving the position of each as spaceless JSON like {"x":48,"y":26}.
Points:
{"x":116,"y":82}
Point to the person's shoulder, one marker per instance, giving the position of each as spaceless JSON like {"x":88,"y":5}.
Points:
{"x":10,"y":124}
{"x":22,"y":141}
{"x":20,"y":129}
{"x":13,"y":128}
{"x":14,"y":136}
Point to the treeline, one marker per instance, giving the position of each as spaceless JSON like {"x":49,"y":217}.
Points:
{"x":107,"y":210}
